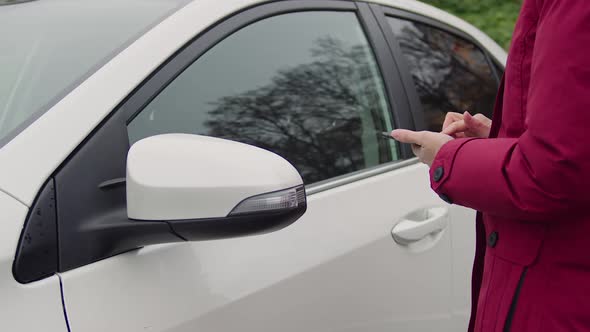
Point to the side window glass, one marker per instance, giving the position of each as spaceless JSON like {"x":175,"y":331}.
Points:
{"x":304,"y":85}
{"x":450,"y":73}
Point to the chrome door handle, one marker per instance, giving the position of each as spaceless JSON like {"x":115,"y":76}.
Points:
{"x":419,"y":224}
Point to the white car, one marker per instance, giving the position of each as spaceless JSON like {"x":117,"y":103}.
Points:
{"x":129,"y":175}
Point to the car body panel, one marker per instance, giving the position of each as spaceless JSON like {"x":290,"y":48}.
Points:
{"x":33,"y":307}
{"x":337,"y":269}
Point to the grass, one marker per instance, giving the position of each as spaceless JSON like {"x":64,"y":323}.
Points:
{"x":494,"y":17}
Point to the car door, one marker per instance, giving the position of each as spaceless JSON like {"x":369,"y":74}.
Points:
{"x":316,"y":82}
{"x":445,"y":70}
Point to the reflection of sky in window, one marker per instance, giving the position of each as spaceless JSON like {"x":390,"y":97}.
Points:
{"x":247,"y":60}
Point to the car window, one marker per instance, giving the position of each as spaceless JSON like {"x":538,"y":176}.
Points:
{"x":50,"y":47}
{"x":450,"y":74}
{"x":304,"y":85}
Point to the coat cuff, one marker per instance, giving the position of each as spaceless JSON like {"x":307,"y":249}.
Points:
{"x":442,"y":166}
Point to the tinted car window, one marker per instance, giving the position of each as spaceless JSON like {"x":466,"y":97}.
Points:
{"x":303,"y":85}
{"x":450,"y":73}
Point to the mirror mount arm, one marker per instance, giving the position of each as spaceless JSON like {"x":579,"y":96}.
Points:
{"x":121,"y":231}
{"x":112,"y":234}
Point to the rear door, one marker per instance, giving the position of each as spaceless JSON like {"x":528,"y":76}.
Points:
{"x":444,"y":70}
{"x":316,"y":82}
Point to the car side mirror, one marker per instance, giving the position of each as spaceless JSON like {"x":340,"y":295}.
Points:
{"x":209,"y":188}
{"x":179,"y":188}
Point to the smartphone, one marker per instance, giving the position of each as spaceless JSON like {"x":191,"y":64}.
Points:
{"x":387,"y":135}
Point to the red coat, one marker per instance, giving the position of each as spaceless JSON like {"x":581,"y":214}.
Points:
{"x":531,"y":179}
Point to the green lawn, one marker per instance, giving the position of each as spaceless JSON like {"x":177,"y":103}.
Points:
{"x":494,"y":17}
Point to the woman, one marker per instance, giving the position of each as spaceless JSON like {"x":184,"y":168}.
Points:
{"x":530,"y":179}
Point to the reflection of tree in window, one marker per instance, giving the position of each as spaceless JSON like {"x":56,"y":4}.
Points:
{"x":451,"y":74}
{"x":314,"y":114}
{"x":304,"y":85}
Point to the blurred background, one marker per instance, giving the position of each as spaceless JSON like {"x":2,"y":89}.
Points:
{"x":494,"y":17}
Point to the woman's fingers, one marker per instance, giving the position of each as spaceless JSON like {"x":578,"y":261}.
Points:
{"x":455,"y":128}
{"x":450,"y":118}
{"x":408,"y":136}
{"x":469,"y":126}
{"x":477,"y":125}
{"x":417,"y":150}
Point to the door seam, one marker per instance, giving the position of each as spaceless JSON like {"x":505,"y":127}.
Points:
{"x":63,"y":302}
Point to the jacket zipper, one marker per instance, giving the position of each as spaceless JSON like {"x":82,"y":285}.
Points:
{"x":514,"y":302}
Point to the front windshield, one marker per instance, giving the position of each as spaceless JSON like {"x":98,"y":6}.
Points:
{"x":48,"y":47}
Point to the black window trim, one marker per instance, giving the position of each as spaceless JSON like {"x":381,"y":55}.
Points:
{"x":415,"y":106}
{"x":382,"y":13}
{"x":391,"y":73}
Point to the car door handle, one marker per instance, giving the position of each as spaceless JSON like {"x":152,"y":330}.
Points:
{"x":420,"y":224}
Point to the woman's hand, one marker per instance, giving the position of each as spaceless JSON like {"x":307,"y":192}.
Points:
{"x":465,"y":125}
{"x":425,"y":144}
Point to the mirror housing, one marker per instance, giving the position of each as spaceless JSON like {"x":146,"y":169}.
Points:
{"x":209,"y":188}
